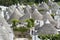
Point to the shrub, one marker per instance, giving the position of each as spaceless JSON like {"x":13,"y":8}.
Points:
{"x":20,"y":29}
{"x":50,"y":36}
{"x":30,"y":23}
{"x":14,"y":22}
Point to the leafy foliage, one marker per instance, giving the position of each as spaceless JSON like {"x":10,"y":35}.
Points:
{"x":50,"y":36}
{"x":20,"y":29}
{"x":57,"y":0}
{"x":14,"y":22}
{"x":30,"y":23}
{"x":10,"y":2}
{"x":58,"y":3}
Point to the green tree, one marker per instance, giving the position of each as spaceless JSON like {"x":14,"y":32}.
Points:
{"x":5,"y":2}
{"x":45,"y":1}
{"x":14,"y":22}
{"x":57,"y":0}
{"x":30,"y":23}
{"x":15,"y":1}
{"x":21,"y":29}
{"x":8,"y":2}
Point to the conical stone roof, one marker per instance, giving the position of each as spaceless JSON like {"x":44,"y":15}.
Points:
{"x":46,"y":29}
{"x":34,"y":6}
{"x":49,"y":17}
{"x":28,"y":8}
{"x":43,"y":6}
{"x":27,"y":14}
{"x":50,"y":3}
{"x":21,"y":10}
{"x":5,"y":30}
{"x":37,"y":15}
{"x":53,"y":6}
{"x":16,"y":15}
{"x":10,"y":10}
